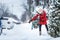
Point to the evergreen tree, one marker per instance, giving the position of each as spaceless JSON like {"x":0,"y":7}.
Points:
{"x":54,"y":19}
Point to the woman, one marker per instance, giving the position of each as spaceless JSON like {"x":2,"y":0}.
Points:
{"x":42,"y":18}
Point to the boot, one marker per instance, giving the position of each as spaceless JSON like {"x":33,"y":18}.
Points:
{"x":39,"y":32}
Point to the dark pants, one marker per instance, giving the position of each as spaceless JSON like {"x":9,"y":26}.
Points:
{"x":40,"y":27}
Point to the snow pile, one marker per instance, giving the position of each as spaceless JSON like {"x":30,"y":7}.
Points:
{"x":24,"y":32}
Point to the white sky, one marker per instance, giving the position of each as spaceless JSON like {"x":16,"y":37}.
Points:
{"x":15,"y":6}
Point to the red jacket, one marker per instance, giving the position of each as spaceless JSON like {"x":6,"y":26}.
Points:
{"x":42,"y":18}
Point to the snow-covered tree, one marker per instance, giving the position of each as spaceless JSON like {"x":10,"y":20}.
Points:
{"x":54,"y":18}
{"x":5,"y":12}
{"x":27,"y":13}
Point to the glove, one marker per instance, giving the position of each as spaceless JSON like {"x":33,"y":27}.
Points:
{"x":30,"y":21}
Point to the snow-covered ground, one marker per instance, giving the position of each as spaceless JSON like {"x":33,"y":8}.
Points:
{"x":24,"y":32}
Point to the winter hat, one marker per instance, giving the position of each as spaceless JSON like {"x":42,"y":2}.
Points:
{"x":39,"y":10}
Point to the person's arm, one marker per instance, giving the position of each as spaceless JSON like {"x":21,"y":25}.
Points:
{"x":34,"y":18}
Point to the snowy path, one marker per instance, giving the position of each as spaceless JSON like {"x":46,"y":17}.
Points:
{"x":24,"y":32}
